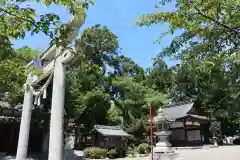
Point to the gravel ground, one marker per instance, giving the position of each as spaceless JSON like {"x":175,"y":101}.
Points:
{"x":220,"y":153}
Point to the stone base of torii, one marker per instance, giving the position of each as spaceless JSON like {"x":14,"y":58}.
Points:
{"x":55,"y":151}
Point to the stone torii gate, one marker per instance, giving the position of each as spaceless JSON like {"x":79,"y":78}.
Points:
{"x":57,"y":57}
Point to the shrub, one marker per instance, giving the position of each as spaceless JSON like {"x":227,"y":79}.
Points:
{"x":95,"y":152}
{"x":112,"y":153}
{"x":131,"y":151}
{"x":143,"y":148}
{"x":121,"y":151}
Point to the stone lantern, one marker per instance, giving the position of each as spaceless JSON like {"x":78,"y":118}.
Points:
{"x":163,"y":148}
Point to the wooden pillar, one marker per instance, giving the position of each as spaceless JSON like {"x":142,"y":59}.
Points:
{"x":185,"y":131}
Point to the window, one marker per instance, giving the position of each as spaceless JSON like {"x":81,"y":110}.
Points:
{"x":159,"y":126}
{"x":166,"y":126}
{"x":194,"y":135}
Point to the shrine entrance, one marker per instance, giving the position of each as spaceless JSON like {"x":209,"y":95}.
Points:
{"x":35,"y":139}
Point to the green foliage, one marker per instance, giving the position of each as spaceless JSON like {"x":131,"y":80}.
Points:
{"x":132,"y":99}
{"x":124,"y":66}
{"x":132,"y":150}
{"x":160,"y":77}
{"x":27,"y":54}
{"x":112,"y":153}
{"x":215,"y":127}
{"x":98,"y":44}
{"x":105,"y":87}
{"x":209,"y":84}
{"x":88,"y":100}
{"x":207,"y":49}
{"x":13,"y":72}
{"x":95,"y":153}
{"x":121,"y":151}
{"x":209,"y":27}
{"x":6,"y":49}
{"x":16,"y":19}
{"x":113,"y":115}
{"x":143,"y":148}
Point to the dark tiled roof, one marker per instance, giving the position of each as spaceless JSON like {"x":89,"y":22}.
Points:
{"x":110,"y":130}
{"x":177,"y":111}
{"x":180,"y":111}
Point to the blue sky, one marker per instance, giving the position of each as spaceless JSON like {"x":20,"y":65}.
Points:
{"x":117,"y":15}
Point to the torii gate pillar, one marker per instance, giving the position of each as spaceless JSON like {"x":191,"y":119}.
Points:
{"x":57,"y":110}
{"x":22,"y":147}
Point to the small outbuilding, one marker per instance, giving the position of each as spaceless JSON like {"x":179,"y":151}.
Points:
{"x":108,"y":136}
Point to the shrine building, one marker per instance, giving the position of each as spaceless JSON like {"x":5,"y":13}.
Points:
{"x":188,"y":126}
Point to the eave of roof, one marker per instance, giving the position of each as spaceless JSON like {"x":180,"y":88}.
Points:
{"x":197,"y":117}
{"x":110,"y":130}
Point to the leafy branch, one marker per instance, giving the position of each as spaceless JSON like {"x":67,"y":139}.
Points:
{"x":214,"y":20}
{"x":32,"y":22}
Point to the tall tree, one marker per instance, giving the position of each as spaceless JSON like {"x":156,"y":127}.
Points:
{"x":132,"y":99}
{"x":98,"y":45}
{"x":105,"y":87}
{"x":88,"y":98}
{"x":210,"y":38}
{"x":124,"y":66}
{"x":161,"y":77}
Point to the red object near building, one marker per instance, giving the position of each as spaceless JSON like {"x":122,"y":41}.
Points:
{"x":150,"y":131}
